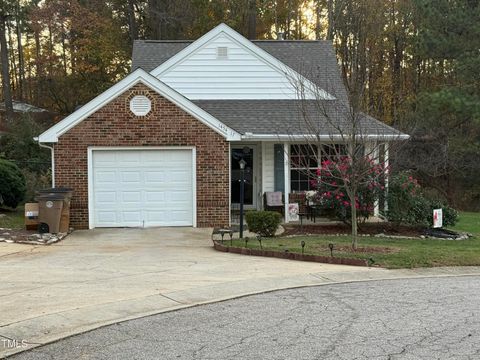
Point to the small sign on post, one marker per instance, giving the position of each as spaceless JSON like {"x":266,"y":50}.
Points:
{"x":293,"y":212}
{"x":437,"y":218}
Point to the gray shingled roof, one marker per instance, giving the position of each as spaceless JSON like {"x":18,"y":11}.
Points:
{"x":315,"y":60}
{"x":291,"y":117}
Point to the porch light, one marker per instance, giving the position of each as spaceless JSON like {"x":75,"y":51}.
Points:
{"x":242,"y":164}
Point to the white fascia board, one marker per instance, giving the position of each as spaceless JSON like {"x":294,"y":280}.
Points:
{"x":309,"y":137}
{"x":138,"y":76}
{"x":309,"y":91}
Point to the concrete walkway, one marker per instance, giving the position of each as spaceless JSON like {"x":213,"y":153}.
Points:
{"x":99,"y":277}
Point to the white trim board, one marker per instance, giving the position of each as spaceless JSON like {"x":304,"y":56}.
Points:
{"x":91,"y":149}
{"x":308,"y":89}
{"x":138,"y":76}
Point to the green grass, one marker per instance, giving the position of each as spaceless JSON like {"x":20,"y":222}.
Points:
{"x":405,"y":253}
{"x":13,"y":219}
{"x":468,"y":222}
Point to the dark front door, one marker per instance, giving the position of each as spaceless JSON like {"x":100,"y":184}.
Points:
{"x":247,"y":154}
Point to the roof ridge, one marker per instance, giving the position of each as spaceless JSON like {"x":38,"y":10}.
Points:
{"x":254,"y":41}
{"x":291,"y":41}
{"x":163,"y":41}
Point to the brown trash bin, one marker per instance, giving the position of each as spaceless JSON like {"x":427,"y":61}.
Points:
{"x":49,"y":213}
{"x":31,"y":216}
{"x":66,"y":194}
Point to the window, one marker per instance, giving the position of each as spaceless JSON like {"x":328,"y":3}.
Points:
{"x":303,"y":166}
{"x":304,"y":162}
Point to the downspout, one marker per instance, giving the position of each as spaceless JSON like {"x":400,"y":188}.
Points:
{"x":52,"y":156}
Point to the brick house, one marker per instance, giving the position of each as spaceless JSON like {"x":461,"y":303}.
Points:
{"x":161,"y":147}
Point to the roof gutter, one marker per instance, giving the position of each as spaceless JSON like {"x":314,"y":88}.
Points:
{"x":52,"y":157}
{"x":304,"y":137}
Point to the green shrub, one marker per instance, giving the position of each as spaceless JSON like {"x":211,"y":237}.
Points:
{"x":263,"y":223}
{"x":18,"y":145}
{"x":35,"y":181}
{"x":12,"y":184}
{"x":407,"y":204}
{"x":450,"y":215}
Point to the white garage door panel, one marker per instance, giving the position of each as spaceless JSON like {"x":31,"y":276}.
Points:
{"x":142,"y":188}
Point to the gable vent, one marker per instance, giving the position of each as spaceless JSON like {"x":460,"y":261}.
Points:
{"x":140,"y":105}
{"x":222,"y":52}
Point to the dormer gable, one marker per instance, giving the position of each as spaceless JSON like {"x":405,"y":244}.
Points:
{"x":223,"y":64}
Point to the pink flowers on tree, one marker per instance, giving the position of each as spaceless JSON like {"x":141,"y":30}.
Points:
{"x":336,"y":178}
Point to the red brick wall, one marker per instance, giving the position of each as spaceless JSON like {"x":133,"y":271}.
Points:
{"x":165,"y":125}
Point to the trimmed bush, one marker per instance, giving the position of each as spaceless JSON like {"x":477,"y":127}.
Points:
{"x":12,"y":184}
{"x":450,"y":215}
{"x":263,"y":223}
{"x":408,"y":205}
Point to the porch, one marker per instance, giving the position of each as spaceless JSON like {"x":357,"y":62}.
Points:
{"x":279,"y":166}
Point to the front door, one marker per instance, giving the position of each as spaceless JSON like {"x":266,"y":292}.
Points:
{"x":247,"y":153}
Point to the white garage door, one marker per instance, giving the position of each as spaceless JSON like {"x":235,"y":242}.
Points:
{"x":142,"y":188}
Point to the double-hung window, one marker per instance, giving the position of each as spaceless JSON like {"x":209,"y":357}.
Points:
{"x":303,"y":166}
{"x":305,"y":159}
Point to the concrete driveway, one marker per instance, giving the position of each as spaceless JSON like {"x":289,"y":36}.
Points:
{"x":99,"y":277}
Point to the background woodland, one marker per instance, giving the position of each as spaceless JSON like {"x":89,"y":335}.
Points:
{"x":417,"y":63}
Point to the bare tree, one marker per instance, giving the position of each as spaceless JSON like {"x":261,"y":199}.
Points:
{"x":7,"y":94}
{"x":350,"y":146}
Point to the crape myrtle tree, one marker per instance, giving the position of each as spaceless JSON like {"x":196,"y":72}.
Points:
{"x":349,"y":150}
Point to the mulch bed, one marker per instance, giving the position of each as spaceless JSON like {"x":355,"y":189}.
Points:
{"x":288,"y":255}
{"x":14,"y":235}
{"x":364,"y":229}
{"x":22,"y":236}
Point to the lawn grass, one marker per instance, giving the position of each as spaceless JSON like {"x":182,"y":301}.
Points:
{"x":405,"y":253}
{"x":468,"y":222}
{"x":13,"y":219}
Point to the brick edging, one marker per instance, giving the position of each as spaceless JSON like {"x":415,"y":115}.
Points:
{"x":288,"y":255}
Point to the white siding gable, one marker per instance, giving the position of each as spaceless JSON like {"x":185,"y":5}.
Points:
{"x":225,"y":65}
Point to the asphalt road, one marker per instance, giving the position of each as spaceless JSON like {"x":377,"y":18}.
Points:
{"x":435,"y":318}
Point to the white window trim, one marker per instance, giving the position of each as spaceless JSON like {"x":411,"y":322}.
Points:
{"x":319,"y":154}
{"x":91,"y":149}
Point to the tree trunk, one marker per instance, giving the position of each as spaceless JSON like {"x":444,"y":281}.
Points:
{"x":252,"y":19}
{"x":318,"y":14}
{"x":132,"y":22}
{"x":64,"y":48}
{"x":7,"y":95}
{"x":14,"y":80}
{"x":21,"y":61}
{"x":38,"y":66}
{"x":331,"y":25}
{"x":353,"y":211}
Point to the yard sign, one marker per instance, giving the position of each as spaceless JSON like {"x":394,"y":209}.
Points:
{"x":293,"y":212}
{"x":437,"y":218}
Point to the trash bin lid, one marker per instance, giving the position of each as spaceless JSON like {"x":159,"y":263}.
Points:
{"x":54,"y":197}
{"x":59,"y":189}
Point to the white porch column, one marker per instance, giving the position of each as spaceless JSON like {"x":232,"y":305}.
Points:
{"x":375,"y":154}
{"x":264,"y":175}
{"x":230,"y":184}
{"x":386,"y":175}
{"x":371,"y":149}
{"x":286,"y":174}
